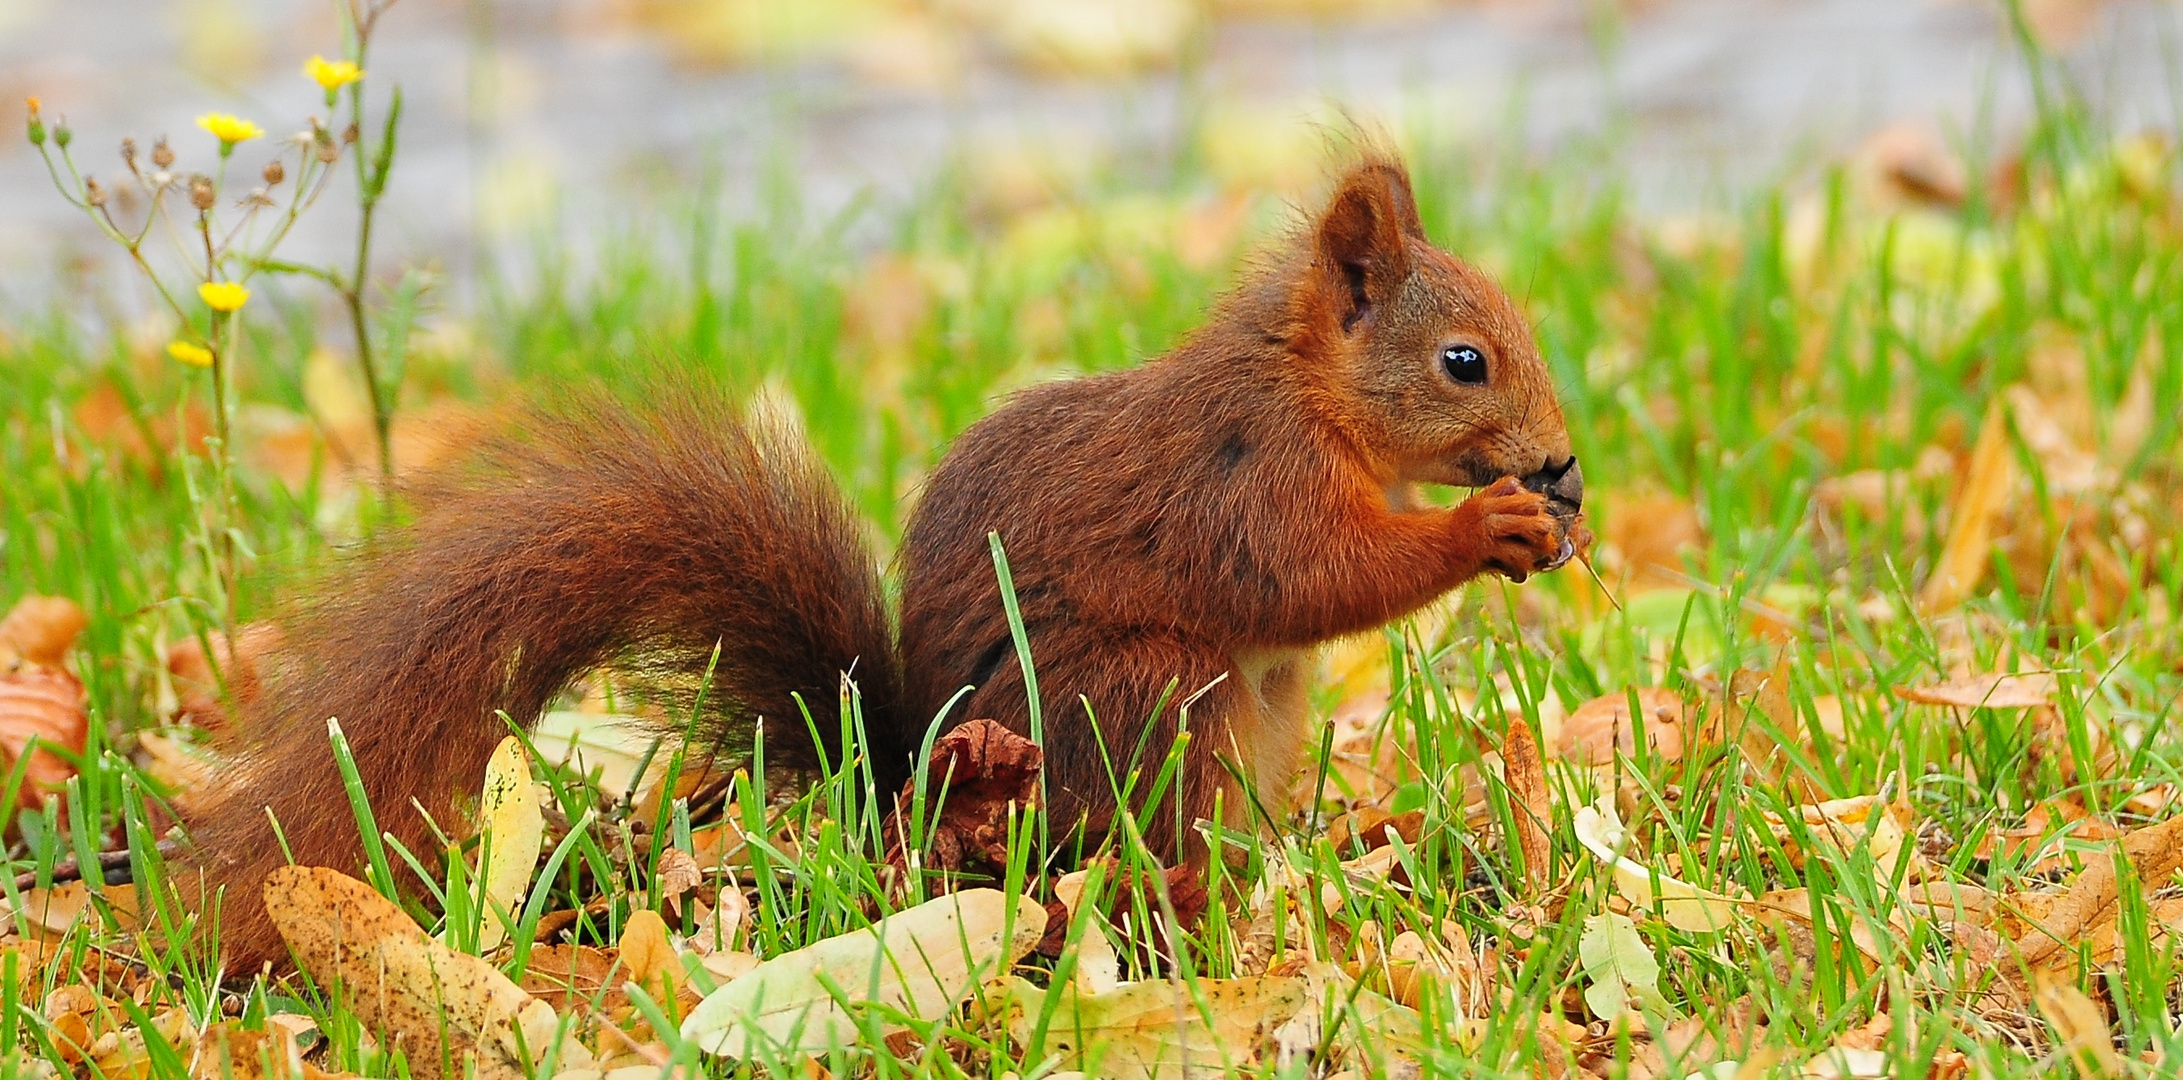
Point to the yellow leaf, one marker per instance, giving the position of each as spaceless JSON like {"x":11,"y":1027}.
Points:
{"x":649,"y":956}
{"x":515,"y":830}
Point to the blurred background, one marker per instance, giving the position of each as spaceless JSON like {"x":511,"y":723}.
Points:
{"x":562,"y":118}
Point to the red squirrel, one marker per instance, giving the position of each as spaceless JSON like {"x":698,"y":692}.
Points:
{"x":1181,"y":533}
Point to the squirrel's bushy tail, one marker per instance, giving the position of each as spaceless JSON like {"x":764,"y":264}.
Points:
{"x":592,"y":534}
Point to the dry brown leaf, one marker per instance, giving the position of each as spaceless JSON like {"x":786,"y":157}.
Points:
{"x":57,"y":910}
{"x":979,"y":773}
{"x":1967,"y":552}
{"x":2037,"y":843}
{"x":1881,"y":829}
{"x":725,"y":967}
{"x":39,"y":630}
{"x":678,"y":873}
{"x":573,"y":976}
{"x":1530,"y":803}
{"x":1369,"y":827}
{"x":2156,"y":852}
{"x":47,"y":705}
{"x":403,"y":985}
{"x":1995,"y":691}
{"x":228,"y":1051}
{"x":2060,"y":25}
{"x":1600,"y":729}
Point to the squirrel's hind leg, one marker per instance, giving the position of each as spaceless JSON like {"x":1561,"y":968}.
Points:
{"x":1145,"y":687}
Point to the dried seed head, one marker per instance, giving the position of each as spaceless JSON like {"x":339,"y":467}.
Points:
{"x":161,"y":155}
{"x":128,"y":153}
{"x":328,"y":153}
{"x":348,"y":134}
{"x":201,"y":194}
{"x":274,"y":173}
{"x":258,"y":199}
{"x":92,"y":192}
{"x":162,"y":178}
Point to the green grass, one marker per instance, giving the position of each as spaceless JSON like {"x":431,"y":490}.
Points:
{"x":1803,"y":335}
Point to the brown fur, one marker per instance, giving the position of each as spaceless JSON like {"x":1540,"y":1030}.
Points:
{"x":1203,"y":521}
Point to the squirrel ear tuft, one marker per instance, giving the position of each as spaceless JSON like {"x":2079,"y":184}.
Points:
{"x":1360,"y":240}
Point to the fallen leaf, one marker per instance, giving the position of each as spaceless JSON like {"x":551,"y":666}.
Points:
{"x":2038,"y":845}
{"x":39,"y":630}
{"x":978,"y":774}
{"x":568,"y":976}
{"x":1601,"y":729}
{"x":607,"y":748}
{"x":1842,"y":826}
{"x":1997,"y":691}
{"x":513,"y":832}
{"x":1146,"y":1029}
{"x":651,"y":959}
{"x":177,"y":765}
{"x":1908,"y":164}
{"x":441,"y":1007}
{"x":1648,"y":535}
{"x":1681,"y":904}
{"x":2155,"y":852}
{"x":1620,"y":965}
{"x":677,"y":874}
{"x":1530,"y":803}
{"x":721,"y":929}
{"x":45,"y":705}
{"x":2080,"y":1027}
{"x":921,"y":962}
{"x":1966,"y":554}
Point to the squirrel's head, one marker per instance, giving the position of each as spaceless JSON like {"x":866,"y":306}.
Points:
{"x":1435,"y":370}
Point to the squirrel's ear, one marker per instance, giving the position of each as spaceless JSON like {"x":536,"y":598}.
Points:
{"x":1360,"y":256}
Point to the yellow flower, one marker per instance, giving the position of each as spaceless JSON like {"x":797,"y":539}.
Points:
{"x":229,"y":129}
{"x":193,"y":355}
{"x":223,"y":296}
{"x":332,"y":74}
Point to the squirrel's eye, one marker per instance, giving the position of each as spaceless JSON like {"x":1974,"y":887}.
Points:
{"x":1464,"y":364}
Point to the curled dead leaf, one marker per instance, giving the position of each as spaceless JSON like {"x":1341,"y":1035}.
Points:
{"x":1530,"y":802}
{"x":44,"y":705}
{"x":979,"y":772}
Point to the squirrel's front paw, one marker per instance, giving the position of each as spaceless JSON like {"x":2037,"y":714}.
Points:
{"x":1515,"y":529}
